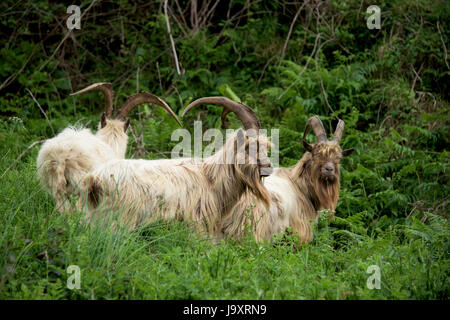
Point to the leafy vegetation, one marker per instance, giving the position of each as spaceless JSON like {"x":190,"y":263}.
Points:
{"x":288,"y":61}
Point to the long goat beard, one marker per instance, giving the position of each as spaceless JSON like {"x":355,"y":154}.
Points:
{"x":327,"y":191}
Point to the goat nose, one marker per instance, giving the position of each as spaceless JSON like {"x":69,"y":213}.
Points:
{"x":329,"y":169}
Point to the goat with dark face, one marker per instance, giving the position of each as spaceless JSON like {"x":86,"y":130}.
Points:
{"x":296,"y":193}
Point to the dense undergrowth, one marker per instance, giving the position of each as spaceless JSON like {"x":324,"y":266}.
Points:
{"x":390,"y":86}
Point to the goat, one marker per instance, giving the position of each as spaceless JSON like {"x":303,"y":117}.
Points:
{"x":297,"y":193}
{"x":183,"y":189}
{"x":65,"y":159}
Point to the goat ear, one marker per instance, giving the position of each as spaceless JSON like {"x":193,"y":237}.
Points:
{"x":347,"y":152}
{"x":125,"y":126}
{"x":307,"y":146}
{"x":103,"y":120}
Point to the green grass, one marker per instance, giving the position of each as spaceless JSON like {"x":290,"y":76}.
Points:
{"x":168,"y":261}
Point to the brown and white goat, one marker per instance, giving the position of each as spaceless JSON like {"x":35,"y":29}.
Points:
{"x":199,"y":191}
{"x":297,"y":193}
{"x":65,"y":159}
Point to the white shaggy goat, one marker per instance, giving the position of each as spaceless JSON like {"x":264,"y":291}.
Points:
{"x":65,"y":159}
{"x":296,"y":193}
{"x":183,"y":189}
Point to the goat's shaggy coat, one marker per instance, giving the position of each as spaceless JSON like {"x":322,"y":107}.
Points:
{"x":181,"y":189}
{"x":297,"y":194}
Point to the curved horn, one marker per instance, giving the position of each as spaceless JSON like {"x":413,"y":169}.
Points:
{"x":107,"y":90}
{"x":140,"y":98}
{"x":318,"y":129}
{"x":244,"y":113}
{"x":338,"y":132}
